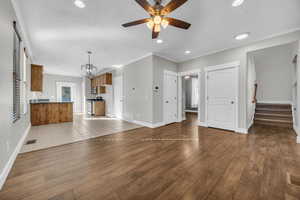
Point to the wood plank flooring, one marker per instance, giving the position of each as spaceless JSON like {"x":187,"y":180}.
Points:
{"x":178,"y":161}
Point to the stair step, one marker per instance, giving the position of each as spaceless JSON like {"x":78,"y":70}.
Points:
{"x":273,"y":106}
{"x":274,"y":120}
{"x":273,"y":116}
{"x":273,"y":109}
{"x":277,"y":124}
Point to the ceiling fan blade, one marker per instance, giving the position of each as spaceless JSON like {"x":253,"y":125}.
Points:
{"x":146,"y":6}
{"x":154,"y":34}
{"x":178,"y":23}
{"x":141,"y":21}
{"x":172,"y":5}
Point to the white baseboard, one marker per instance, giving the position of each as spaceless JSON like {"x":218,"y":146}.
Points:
{"x":110,"y":115}
{"x":191,"y":111}
{"x":251,"y":123}
{"x":146,"y":124}
{"x":297,"y":130}
{"x":276,"y":102}
{"x":241,"y":130}
{"x":203,"y":124}
{"x":12,"y":158}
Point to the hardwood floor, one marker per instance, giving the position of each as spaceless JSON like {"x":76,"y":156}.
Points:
{"x":178,"y":161}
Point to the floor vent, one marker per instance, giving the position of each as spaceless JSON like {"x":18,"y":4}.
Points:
{"x":30,"y":142}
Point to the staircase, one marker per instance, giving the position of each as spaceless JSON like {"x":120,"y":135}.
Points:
{"x":274,"y":115}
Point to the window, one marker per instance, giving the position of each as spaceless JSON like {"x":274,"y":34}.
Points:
{"x":16,"y":74}
{"x":24,"y":82}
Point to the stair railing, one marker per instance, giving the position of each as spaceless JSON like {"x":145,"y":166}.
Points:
{"x":255,"y":92}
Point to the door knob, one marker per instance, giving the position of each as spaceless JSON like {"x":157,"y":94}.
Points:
{"x":232,"y":102}
{"x":167,"y":101}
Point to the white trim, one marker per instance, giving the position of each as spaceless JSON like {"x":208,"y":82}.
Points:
{"x":191,"y":111}
{"x":297,"y":131}
{"x":170,"y":73}
{"x":13,"y":157}
{"x":241,"y":130}
{"x":163,"y":57}
{"x":167,"y":72}
{"x":146,"y":124}
{"x":246,"y":45}
{"x":276,"y":102}
{"x":22,"y":26}
{"x":203,"y":124}
{"x":235,"y":64}
{"x":223,"y":66}
{"x":138,"y":59}
{"x":251,"y":122}
{"x":185,"y":73}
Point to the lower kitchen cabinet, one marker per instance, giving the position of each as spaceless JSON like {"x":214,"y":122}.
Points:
{"x":50,"y":113}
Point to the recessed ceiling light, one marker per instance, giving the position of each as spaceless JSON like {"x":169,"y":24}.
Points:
{"x":117,"y":66}
{"x":187,"y":52}
{"x":159,"y":41}
{"x":79,"y":3}
{"x":242,"y":36}
{"x":237,"y":3}
{"x":186,"y":77}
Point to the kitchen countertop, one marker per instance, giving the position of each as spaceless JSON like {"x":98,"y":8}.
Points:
{"x":44,"y":102}
{"x":95,"y":99}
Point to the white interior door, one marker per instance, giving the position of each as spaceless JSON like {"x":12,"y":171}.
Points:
{"x":170,"y":98}
{"x":66,"y":91}
{"x":221,"y":98}
{"x":118,"y":96}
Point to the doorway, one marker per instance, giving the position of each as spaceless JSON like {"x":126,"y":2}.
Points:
{"x":170,"y":97}
{"x":222,"y":97}
{"x":66,"y":91}
{"x":189,"y":93}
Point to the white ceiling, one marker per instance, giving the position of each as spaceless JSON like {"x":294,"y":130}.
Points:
{"x":61,"y":33}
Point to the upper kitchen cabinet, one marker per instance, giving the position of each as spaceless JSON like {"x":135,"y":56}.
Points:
{"x":36,"y":78}
{"x":105,"y":79}
{"x":98,"y":83}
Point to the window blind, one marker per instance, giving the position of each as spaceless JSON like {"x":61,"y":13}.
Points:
{"x":16,"y":74}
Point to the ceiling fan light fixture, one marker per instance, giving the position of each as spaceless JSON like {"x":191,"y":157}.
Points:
{"x":164,"y":23}
{"x":157,"y":19}
{"x":157,"y":28}
{"x":150,"y":24}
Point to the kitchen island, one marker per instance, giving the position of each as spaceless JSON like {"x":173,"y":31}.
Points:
{"x":50,"y":112}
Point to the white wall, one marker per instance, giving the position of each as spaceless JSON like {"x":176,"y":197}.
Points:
{"x":11,"y":134}
{"x":251,"y":90}
{"x":274,"y":73}
{"x":237,"y":54}
{"x":49,"y":88}
{"x":138,"y":98}
{"x":159,"y":66}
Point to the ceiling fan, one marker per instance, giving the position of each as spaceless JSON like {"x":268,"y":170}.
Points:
{"x":158,"y":15}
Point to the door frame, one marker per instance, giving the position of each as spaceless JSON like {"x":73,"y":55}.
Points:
{"x":167,"y":72}
{"x":60,"y":84}
{"x":180,"y":105}
{"x":225,"y":66}
{"x":122,"y":95}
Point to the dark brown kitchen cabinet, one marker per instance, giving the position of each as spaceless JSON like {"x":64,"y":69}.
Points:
{"x":36,"y":78}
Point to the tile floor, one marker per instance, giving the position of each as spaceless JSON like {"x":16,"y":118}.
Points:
{"x":83,"y":127}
